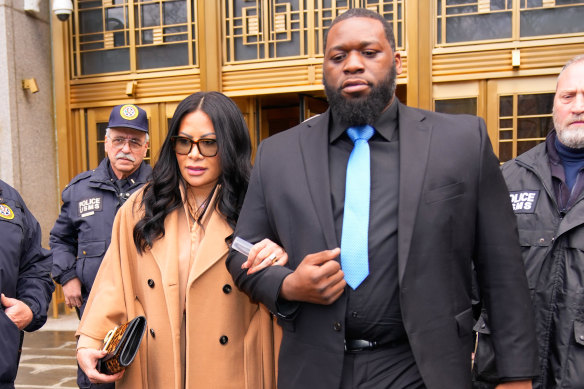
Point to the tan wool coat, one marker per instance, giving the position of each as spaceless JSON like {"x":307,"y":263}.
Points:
{"x":230,"y":341}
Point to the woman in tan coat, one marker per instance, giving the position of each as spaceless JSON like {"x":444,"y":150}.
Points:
{"x":166,"y":262}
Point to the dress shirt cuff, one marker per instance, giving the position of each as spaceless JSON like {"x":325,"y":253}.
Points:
{"x":286,"y":310}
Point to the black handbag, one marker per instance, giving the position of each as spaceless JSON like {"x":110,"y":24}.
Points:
{"x":122,"y":345}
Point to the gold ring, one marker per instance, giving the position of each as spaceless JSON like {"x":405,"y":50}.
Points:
{"x":273,"y":258}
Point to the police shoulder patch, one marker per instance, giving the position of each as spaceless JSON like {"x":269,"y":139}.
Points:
{"x":524,"y":201}
{"x":6,"y":212}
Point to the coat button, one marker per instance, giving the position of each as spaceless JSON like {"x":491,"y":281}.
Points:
{"x":151,"y":282}
{"x":224,"y":339}
{"x":354,"y":314}
{"x":541,"y":240}
{"x":226,"y":288}
{"x":84,"y":252}
{"x":152,"y":333}
{"x":581,"y":337}
{"x":337,"y":326}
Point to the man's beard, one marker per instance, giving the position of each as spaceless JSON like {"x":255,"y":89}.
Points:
{"x":365,"y":109}
{"x":572,"y":137}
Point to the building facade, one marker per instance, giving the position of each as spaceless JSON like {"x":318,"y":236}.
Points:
{"x":498,"y":59}
{"x":494,"y":58}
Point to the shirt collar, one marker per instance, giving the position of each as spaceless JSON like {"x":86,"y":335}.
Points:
{"x":385,"y":125}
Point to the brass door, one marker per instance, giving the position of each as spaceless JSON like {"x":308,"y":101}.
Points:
{"x":459,"y":97}
{"x":518,"y":111}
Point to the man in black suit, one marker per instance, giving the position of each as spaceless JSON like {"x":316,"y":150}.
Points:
{"x":436,"y":202}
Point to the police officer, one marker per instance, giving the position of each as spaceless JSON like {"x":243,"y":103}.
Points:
{"x":25,"y":280}
{"x":546,"y":186}
{"x":82,"y":233}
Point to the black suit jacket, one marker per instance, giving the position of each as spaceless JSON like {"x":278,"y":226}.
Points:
{"x":453,"y":208}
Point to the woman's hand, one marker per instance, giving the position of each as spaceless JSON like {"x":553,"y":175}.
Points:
{"x":263,"y":254}
{"x":87,"y":359}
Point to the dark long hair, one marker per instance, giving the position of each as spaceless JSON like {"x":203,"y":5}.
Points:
{"x":162,"y":194}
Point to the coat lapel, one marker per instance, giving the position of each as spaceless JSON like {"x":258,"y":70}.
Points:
{"x":212,"y":247}
{"x":414,"y":138}
{"x":166,"y":251}
{"x":313,"y":140}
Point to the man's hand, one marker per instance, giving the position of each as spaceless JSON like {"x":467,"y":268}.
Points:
{"x":17,"y":311}
{"x":515,"y":385}
{"x":318,"y":279}
{"x":72,"y":292}
{"x":87,"y":359}
{"x":263,"y":254}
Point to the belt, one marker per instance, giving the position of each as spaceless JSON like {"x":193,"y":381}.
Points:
{"x":356,"y":345}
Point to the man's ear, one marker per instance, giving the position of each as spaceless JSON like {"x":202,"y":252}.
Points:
{"x":398,"y":63}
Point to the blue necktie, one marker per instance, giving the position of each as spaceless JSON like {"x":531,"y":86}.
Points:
{"x":354,"y":236}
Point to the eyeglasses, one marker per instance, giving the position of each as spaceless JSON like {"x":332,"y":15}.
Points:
{"x":120,"y":142}
{"x":183,"y":145}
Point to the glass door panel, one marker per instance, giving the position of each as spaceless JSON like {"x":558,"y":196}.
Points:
{"x":520,"y":114}
{"x":457,"y":98}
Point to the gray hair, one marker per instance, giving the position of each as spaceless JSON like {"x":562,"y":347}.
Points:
{"x":575,"y":60}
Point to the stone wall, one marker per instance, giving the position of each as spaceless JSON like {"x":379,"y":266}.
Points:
{"x":27,"y":136}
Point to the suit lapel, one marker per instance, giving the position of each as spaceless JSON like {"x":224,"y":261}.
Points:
{"x":414,"y":138}
{"x":313,"y":140}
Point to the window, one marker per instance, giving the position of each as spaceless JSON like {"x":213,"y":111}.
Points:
{"x":457,"y":106}
{"x":524,"y":121}
{"x":551,"y":17}
{"x":132,"y":35}
{"x":258,"y":30}
{"x":468,"y":20}
{"x":464,"y":21}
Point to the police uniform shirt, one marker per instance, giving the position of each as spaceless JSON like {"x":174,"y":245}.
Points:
{"x":373,"y":309}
